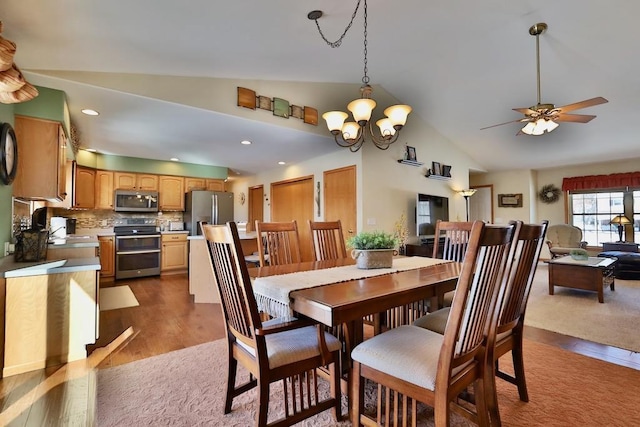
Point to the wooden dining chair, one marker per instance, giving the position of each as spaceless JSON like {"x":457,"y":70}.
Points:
{"x":450,"y":242}
{"x":412,"y":364}
{"x":327,"y":240}
{"x":525,"y":255}
{"x":279,"y":242}
{"x":288,"y":350}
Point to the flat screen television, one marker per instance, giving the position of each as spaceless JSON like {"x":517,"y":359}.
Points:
{"x":430,"y":209}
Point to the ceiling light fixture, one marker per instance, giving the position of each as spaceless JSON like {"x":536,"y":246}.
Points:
{"x":174,"y":159}
{"x":245,"y":142}
{"x":90,"y":112}
{"x":353,"y":134}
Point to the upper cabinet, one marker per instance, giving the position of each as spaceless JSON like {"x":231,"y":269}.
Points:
{"x":42,"y":159}
{"x":171,"y":193}
{"x":79,"y":184}
{"x":135,"y":181}
{"x":215,"y":185}
{"x":194,"y":184}
{"x":104,"y":189}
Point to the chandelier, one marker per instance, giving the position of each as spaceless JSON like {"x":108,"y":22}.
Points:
{"x":353,"y":134}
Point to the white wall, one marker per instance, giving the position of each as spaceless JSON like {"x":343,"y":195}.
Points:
{"x":529,"y":182}
{"x":385,"y":188}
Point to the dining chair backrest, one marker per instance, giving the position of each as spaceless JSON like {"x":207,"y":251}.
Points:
{"x":481,"y":284}
{"x":525,"y":256}
{"x":280,"y":241}
{"x":327,"y":240}
{"x":454,"y":236}
{"x":234,"y":285}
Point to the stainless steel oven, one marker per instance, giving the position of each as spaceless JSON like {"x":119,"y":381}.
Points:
{"x":138,"y":250}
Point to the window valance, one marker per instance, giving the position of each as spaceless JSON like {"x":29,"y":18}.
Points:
{"x":593,"y":182}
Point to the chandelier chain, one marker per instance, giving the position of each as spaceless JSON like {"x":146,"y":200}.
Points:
{"x":338,"y":42}
{"x":365,"y":78}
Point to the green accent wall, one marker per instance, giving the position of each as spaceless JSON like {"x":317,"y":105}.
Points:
{"x":6,"y":191}
{"x":158,"y":167}
{"x":50,"y":104}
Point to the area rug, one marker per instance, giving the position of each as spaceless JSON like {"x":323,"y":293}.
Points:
{"x":187,"y":388}
{"x":578,"y":313}
{"x":117,"y":297}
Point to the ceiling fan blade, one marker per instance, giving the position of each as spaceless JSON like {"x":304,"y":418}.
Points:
{"x":525,"y":119}
{"x":576,"y":118}
{"x":582,"y":104}
{"x":525,"y":111}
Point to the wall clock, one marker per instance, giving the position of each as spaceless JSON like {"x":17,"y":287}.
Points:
{"x":8,"y":154}
{"x":243,"y":198}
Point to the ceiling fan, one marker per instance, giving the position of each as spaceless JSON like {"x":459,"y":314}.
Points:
{"x":542,"y":118}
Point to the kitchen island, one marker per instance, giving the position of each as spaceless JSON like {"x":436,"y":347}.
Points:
{"x":50,"y":312}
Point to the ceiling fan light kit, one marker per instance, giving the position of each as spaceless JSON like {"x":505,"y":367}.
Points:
{"x":543,"y":118}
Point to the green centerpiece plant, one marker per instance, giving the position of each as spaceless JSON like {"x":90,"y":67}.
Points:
{"x":373,"y":249}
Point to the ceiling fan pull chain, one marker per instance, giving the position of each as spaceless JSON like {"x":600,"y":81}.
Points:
{"x":317,"y":14}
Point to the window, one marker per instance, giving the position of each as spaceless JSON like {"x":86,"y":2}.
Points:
{"x":592,"y":212}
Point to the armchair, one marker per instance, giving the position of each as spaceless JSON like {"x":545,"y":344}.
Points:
{"x":563,"y":238}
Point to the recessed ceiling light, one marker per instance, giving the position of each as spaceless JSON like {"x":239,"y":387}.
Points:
{"x":245,"y":142}
{"x":281,"y":163}
{"x":90,"y":112}
{"x":174,"y":159}
{"x":91,"y":150}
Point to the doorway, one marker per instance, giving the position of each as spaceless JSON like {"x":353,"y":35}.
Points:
{"x":256,"y":206}
{"x":480,"y":206}
{"x":293,"y":200}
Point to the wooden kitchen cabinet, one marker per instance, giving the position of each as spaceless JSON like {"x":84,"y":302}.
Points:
{"x":194,"y":184}
{"x":107,"y":256}
{"x":215,"y":185}
{"x":135,"y":181}
{"x":104,"y":190}
{"x":79,"y":185}
{"x":174,"y":253}
{"x":41,"y":161}
{"x":83,"y":194}
{"x":171,"y":193}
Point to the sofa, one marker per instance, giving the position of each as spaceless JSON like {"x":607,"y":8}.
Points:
{"x":628,"y":265}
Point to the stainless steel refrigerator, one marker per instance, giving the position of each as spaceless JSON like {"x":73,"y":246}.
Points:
{"x":211,"y":207}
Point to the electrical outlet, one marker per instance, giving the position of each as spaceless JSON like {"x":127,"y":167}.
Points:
{"x":6,"y":248}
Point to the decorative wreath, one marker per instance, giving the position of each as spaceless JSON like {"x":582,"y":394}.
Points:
{"x":549,"y":194}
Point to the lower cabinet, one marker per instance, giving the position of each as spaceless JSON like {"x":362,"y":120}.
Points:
{"x":107,"y":256}
{"x":174,"y":253}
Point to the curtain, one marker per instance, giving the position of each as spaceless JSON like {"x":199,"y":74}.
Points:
{"x":593,"y":182}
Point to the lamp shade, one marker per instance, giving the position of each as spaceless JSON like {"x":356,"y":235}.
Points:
{"x":398,"y":114}
{"x":467,"y":193}
{"x":350,"y":131}
{"x":361,"y":109}
{"x":386,"y":127}
{"x":335,"y":120}
{"x":620,"y":220}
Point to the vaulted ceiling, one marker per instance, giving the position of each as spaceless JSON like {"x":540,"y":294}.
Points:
{"x":461,"y":64}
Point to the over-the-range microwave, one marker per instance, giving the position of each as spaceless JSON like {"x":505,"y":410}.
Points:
{"x":136,"y":201}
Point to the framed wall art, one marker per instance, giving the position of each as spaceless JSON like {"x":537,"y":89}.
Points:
{"x":510,"y":200}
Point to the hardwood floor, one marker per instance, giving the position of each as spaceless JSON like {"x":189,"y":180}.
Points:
{"x":166,"y":320}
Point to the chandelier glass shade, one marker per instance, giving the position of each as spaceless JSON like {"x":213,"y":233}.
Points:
{"x":539,"y":127}
{"x":354,"y":133}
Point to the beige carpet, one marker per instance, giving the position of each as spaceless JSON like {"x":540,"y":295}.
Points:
{"x":578,"y":313}
{"x":117,"y":297}
{"x":187,"y":387}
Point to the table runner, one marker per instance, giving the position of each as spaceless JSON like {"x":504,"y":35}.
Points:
{"x":272,"y":292}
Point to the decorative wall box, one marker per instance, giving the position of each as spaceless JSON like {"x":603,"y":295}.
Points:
{"x":248,"y":98}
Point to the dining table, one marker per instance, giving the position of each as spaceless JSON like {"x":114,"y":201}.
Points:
{"x":347,"y":302}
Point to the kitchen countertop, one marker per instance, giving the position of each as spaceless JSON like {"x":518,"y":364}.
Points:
{"x":74,"y":242}
{"x":9,"y":268}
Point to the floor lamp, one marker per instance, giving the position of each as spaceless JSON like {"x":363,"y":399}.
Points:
{"x":466,"y":194}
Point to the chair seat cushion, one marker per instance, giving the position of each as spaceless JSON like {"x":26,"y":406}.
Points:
{"x":408,"y":352}
{"x":436,"y":321}
{"x":297,"y":344}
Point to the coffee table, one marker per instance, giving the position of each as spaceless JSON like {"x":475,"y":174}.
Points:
{"x":592,"y":274}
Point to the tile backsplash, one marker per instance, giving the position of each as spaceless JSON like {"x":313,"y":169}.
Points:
{"x":104,"y":220}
